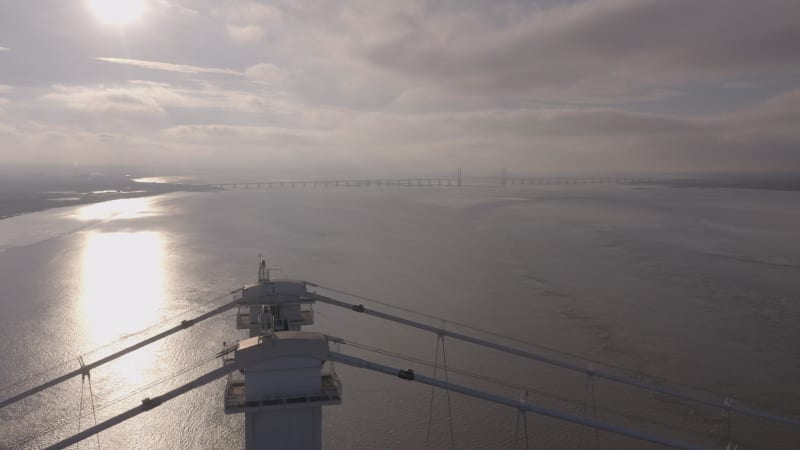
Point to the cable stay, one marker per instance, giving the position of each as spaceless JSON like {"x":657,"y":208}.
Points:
{"x":84,"y":369}
{"x":725,"y":406}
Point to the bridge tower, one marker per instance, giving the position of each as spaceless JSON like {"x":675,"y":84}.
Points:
{"x":287,"y":380}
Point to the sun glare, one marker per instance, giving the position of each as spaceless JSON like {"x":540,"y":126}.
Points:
{"x":122,"y":290}
{"x":117,"y":12}
{"x":122,"y":282}
{"x":126,"y":208}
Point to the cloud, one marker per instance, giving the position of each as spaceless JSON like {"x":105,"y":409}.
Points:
{"x":261,"y":72}
{"x":60,"y":144}
{"x":561,"y":139}
{"x":219,"y":133}
{"x":246,"y":33}
{"x":609,"y":51}
{"x":443,"y":55}
{"x":530,"y":140}
{"x":247,"y":21}
{"x":594,"y":85}
{"x":170,"y":67}
{"x":4,"y":49}
{"x":104,"y":99}
{"x":146,"y":97}
{"x":4,"y":102}
{"x":246,"y":11}
{"x":267,"y":73}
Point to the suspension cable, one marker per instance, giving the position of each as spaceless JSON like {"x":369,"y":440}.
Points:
{"x":525,"y":422}
{"x":585,"y":402}
{"x":112,"y":343}
{"x":123,"y":397}
{"x":182,"y":326}
{"x":80,"y":408}
{"x":522,"y":415}
{"x":594,"y":413}
{"x":433,"y":390}
{"x":147,"y":405}
{"x":556,"y":362}
{"x":528,"y":343}
{"x":94,"y":411}
{"x":505,"y":384}
{"x":447,"y":393}
{"x":411,"y":376}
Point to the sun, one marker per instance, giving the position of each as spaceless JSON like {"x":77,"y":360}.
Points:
{"x":117,"y":12}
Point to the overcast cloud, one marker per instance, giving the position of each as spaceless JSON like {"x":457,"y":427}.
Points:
{"x":317,"y":86}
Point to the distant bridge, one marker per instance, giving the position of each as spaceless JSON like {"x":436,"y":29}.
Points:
{"x":457,"y":181}
{"x":403,"y":182}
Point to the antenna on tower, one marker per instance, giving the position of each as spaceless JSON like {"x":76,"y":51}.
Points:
{"x":263,"y":270}
{"x":263,"y":273}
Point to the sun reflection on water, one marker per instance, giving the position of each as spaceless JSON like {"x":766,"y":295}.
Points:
{"x":122,"y":290}
{"x":127,"y":208}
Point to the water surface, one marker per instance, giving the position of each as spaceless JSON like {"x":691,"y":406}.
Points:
{"x":698,"y":286}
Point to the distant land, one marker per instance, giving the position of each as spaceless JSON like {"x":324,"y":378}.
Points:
{"x":772,"y":182}
{"x":29,"y":190}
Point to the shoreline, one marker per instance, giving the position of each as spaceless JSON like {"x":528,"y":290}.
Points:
{"x":50,"y":200}
{"x":19,"y":202}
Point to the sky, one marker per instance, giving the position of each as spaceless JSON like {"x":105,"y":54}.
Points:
{"x":419,"y":87}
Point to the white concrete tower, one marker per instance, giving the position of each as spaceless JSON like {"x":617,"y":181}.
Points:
{"x":274,"y":305}
{"x":288,"y":380}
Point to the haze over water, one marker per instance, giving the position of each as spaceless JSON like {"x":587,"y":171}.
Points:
{"x":109,"y":109}
{"x":696,"y":286}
